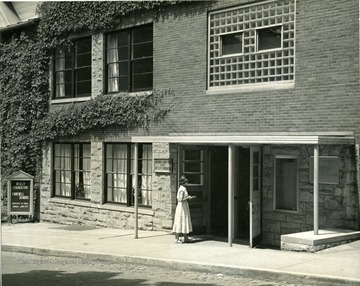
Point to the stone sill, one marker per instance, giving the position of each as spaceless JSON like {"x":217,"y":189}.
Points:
{"x":110,"y":207}
{"x":266,"y":86}
{"x":309,"y":242}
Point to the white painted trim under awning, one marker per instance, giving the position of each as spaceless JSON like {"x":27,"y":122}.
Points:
{"x":248,"y":139}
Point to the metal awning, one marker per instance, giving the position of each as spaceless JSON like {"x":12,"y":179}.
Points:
{"x":346,"y":138}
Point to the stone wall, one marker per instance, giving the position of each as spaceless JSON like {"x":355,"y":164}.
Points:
{"x":338,"y":203}
{"x":96,"y":212}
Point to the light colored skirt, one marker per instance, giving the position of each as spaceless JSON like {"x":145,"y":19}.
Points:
{"x":182,"y":222}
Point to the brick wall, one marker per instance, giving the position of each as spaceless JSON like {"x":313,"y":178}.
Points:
{"x":325,"y":96}
{"x":326,"y":79}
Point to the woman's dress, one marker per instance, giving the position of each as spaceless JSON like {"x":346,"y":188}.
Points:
{"x":182,"y":222}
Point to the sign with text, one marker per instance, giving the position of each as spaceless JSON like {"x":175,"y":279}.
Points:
{"x":20,"y":194}
{"x":163,"y":165}
{"x":329,"y":167}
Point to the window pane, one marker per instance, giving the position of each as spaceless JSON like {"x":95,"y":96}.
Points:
{"x":142,"y":82}
{"x":124,"y":68}
{"x":83,"y":60}
{"x":123,"y":53}
{"x":143,"y":66}
{"x":83,"y":88}
{"x":269,"y":38}
{"x":143,"y":50}
{"x":116,"y":172}
{"x":68,"y":89}
{"x":194,"y":178}
{"x":62,"y":168}
{"x":59,"y":64}
{"x":286,"y":184}
{"x":60,"y":77}
{"x":144,"y":34}
{"x":83,"y":46}
{"x":193,"y":155}
{"x":124,"y":83}
{"x":231,"y":44}
{"x":83,"y":74}
{"x":192,"y":167}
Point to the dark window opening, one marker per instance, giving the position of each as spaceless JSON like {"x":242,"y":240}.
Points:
{"x":129,"y":60}
{"x":269,"y":38}
{"x":73,"y":70}
{"x":231,"y":44}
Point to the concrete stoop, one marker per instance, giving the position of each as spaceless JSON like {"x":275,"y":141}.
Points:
{"x":309,"y":242}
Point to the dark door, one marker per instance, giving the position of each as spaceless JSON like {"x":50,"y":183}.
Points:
{"x":194,"y":165}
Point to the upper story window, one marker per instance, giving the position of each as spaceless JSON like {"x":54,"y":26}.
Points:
{"x":252,"y":44}
{"x":73,"y":70}
{"x":129,"y":60}
{"x":231,"y":44}
{"x":269,"y":38}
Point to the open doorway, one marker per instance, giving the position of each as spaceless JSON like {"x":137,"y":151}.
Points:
{"x":219,"y":192}
{"x":242,"y":194}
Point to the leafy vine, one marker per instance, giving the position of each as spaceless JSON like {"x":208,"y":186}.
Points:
{"x":24,"y":83}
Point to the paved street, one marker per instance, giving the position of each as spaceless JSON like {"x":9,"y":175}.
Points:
{"x":28,"y":269}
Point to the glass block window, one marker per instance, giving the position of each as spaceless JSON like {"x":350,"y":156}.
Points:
{"x":252,"y":44}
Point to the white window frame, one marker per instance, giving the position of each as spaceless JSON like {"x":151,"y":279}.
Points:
{"x":276,"y":157}
{"x":221,"y":44}
{"x":201,"y":162}
{"x":269,"y":50}
{"x":273,"y":68}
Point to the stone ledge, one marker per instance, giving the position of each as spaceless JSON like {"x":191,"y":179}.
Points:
{"x":309,"y":242}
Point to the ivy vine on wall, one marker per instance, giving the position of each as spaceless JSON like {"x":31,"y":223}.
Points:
{"x":24,"y":83}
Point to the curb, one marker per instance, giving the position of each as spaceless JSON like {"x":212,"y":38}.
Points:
{"x":254,"y":273}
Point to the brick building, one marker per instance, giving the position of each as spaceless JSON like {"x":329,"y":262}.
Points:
{"x":265,"y":121}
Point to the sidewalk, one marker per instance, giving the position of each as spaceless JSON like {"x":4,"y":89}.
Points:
{"x":340,"y":264}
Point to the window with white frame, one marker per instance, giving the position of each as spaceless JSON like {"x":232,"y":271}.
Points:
{"x":120,"y":175}
{"x":286,"y":183}
{"x":252,"y":44}
{"x":193,"y":166}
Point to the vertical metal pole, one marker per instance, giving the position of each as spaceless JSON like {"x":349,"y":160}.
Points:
{"x":136,"y":157}
{"x":231,"y":194}
{"x":316,"y":189}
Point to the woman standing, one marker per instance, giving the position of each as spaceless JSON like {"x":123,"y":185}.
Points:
{"x":182,"y":222}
